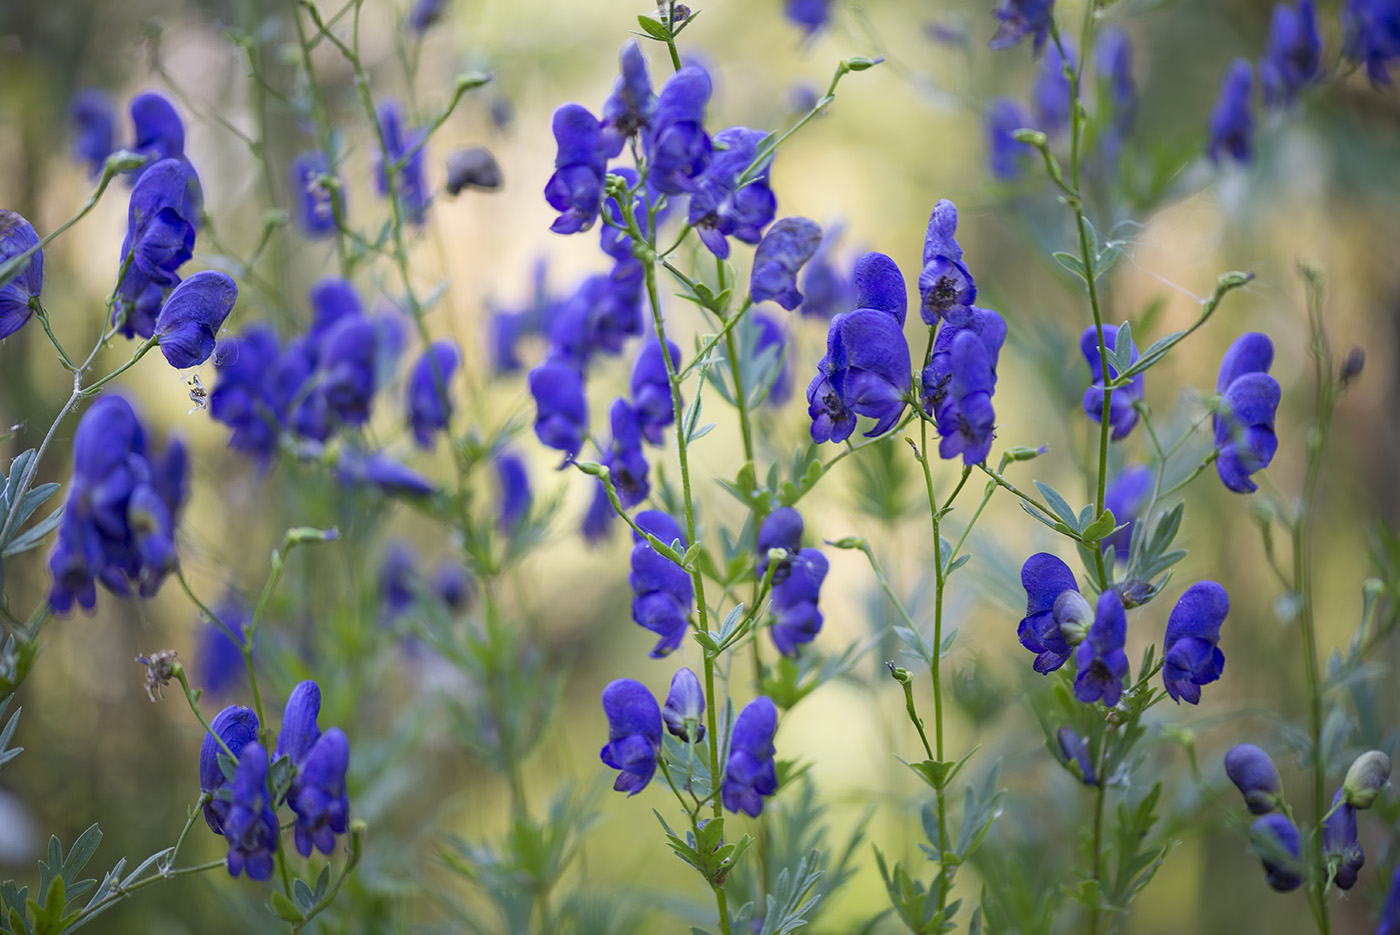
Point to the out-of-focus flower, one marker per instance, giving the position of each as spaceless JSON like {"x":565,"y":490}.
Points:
{"x":1277,"y":842}
{"x":1293,"y":54}
{"x":452,"y":584}
{"x":251,"y":825}
{"x":684,"y":711}
{"x":1100,"y":660}
{"x":675,"y":140}
{"x":796,"y":617}
{"x":789,"y":244}
{"x":1390,"y":912}
{"x":424,"y":14}
{"x":598,"y":521}
{"x":402,"y":156}
{"x":1256,"y":776}
{"x":158,"y":131}
{"x":1022,"y":18}
{"x":1244,"y":422}
{"x":94,"y":123}
{"x":1118,"y":96}
{"x":473,"y":167}
{"x":1050,"y":94}
{"x":1125,"y":497}
{"x":1365,"y":777}
{"x":1122,"y":412}
{"x":662,"y":591}
{"x":651,"y":390}
{"x":1074,"y":750}
{"x":379,"y":470}
{"x":561,"y":410}
{"x":514,"y":483}
{"x":429,"y":399}
{"x":1372,"y":37}
{"x":160,"y":235}
{"x":1232,"y":121}
{"x":397,"y":592}
{"x":237,"y":727}
{"x":1191,"y":655}
{"x":628,"y":109}
{"x":316,"y":201}
{"x":808,"y":15}
{"x":1006,"y":156}
{"x":771,"y":335}
{"x":750,"y":774}
{"x":16,"y":237}
{"x":625,"y":460}
{"x":825,"y":291}
{"x":634,"y":734}
{"x":219,"y":656}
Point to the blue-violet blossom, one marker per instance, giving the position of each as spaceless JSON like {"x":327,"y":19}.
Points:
{"x":634,"y":734}
{"x":662,"y":590}
{"x":17,"y":236}
{"x":750,"y":774}
{"x":1191,"y":655}
{"x":1122,"y":411}
{"x":1244,"y":422}
{"x":1100,"y":660}
{"x":789,"y":244}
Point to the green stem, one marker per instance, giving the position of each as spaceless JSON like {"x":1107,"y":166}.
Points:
{"x":935,"y":667}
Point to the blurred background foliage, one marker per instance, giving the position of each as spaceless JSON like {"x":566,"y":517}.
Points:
{"x":1325,"y":189}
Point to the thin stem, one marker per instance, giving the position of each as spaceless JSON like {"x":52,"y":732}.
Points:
{"x":935,"y":667}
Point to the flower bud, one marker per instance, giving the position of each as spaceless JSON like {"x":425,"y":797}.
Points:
{"x":1074,"y":615}
{"x":1367,"y":774}
{"x":685,"y":707}
{"x":1256,"y":776}
{"x":1351,"y":366}
{"x":1277,"y":842}
{"x":899,"y":674}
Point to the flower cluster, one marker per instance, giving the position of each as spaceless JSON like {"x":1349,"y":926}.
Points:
{"x":796,"y":579}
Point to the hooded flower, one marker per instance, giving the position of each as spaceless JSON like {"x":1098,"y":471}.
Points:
{"x":1371,"y":29}
{"x":651,"y":390}
{"x":378,"y":470}
{"x":628,"y":109}
{"x":770,"y":334}
{"x":316,"y":202}
{"x":625,"y":459}
{"x":1232,"y":121}
{"x":1244,"y":422}
{"x":958,"y":383}
{"x":598,"y":521}
{"x":576,"y":187}
{"x":1118,"y":94}
{"x":750,"y":775}
{"x":318,"y":795}
{"x":1293,"y":54}
{"x":1053,"y":607}
{"x":514,"y":484}
{"x":946,"y":289}
{"x":402,"y":156}
{"x":1100,"y":660}
{"x":94,"y":123}
{"x":192,"y":316}
{"x":720,"y":207}
{"x":17,"y":236}
{"x":684,"y":711}
{"x":1340,"y":843}
{"x":781,"y":530}
{"x":808,"y":15}
{"x":675,"y":140}
{"x":825,"y":291}
{"x":237,"y":727}
{"x":1191,"y":656}
{"x":251,"y":825}
{"x":1022,"y":18}
{"x":561,"y":411}
{"x":161,"y":225}
{"x":1122,"y":412}
{"x":790,"y":243}
{"x":159,"y":132}
{"x":796,"y":617}
{"x":1256,"y":776}
{"x":662,"y":591}
{"x":1074,"y":753}
{"x":429,"y":399}
{"x":219,"y":657}
{"x":472,"y":167}
{"x":1125,"y":497}
{"x":634,"y":734}
{"x":1277,"y":842}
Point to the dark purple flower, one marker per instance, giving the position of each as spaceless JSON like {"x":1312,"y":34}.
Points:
{"x":1293,"y":54}
{"x":576,"y":187}
{"x":299,"y":729}
{"x":561,"y":418}
{"x":423,"y":14}
{"x":472,"y":167}
{"x":1074,"y":749}
{"x":429,"y":401}
{"x":1022,"y":18}
{"x":825,"y":291}
{"x":1191,"y":655}
{"x":1244,"y":422}
{"x":381,"y":471}
{"x":1340,"y":843}
{"x":684,"y":711}
{"x":808,"y":15}
{"x":946,"y":289}
{"x":94,"y":123}
{"x":345,"y":369}
{"x":1118,"y":101}
{"x":192,"y":316}
{"x":750,"y":774}
{"x":781,"y":530}
{"x":1100,"y":660}
{"x":1372,"y":35}
{"x":662,"y":591}
{"x":1232,"y":121}
{"x":1057,"y":615}
{"x":402,"y":156}
{"x":1050,"y":94}
{"x":959,"y":382}
{"x":332,"y":301}
{"x":219,"y":656}
{"x":651,"y":390}
{"x":628,"y":109}
{"x":241,"y":399}
{"x":452,"y":584}
{"x":397,"y":573}
{"x":599,"y":317}
{"x":16,"y":236}
{"x":318,"y":795}
{"x":634,"y":734}
{"x":789,"y":244}
{"x":1122,"y":411}
{"x":159,"y":132}
{"x":1125,"y":497}
{"x":237,"y":727}
{"x":316,"y":203}
{"x":771,"y":335}
{"x":161,"y":224}
{"x":796,"y":617}
{"x":1006,"y":156}
{"x":719,"y":207}
{"x":514,"y":482}
{"x":1277,"y":842}
{"x":624,"y":458}
{"x":1256,"y":776}
{"x":251,"y":825}
{"x":675,"y":141}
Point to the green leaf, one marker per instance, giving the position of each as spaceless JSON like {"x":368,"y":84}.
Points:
{"x":1060,"y":505}
{"x":701,"y":432}
{"x":304,"y":897}
{"x":654,"y":28}
{"x":1101,"y":527}
{"x":286,"y":909}
{"x":34,"y":535}
{"x":1072,"y":263}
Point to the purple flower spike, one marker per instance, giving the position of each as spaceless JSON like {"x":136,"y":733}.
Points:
{"x":946,"y":289}
{"x":631,"y":104}
{"x":634,"y":734}
{"x":237,"y":727}
{"x":625,"y":459}
{"x":719,"y":208}
{"x":94,"y":122}
{"x":781,"y":530}
{"x":1122,"y":413}
{"x":1100,"y":659}
{"x":1277,"y":842}
{"x":1022,"y":18}
{"x":576,"y":187}
{"x":966,"y":419}
{"x":16,"y":236}
{"x":1050,"y":94}
{"x":662,"y":591}
{"x":1125,"y":497}
{"x":1232,"y":121}
{"x":796,"y":617}
{"x":192,"y":315}
{"x":675,"y":141}
{"x":318,"y":795}
{"x":409,"y":182}
{"x":1293,"y":54}
{"x":316,"y":203}
{"x":750,"y":775}
{"x":651,"y":390}
{"x":251,"y":825}
{"x":684,"y":711}
{"x":561,"y":418}
{"x":1190,"y":651}
{"x":790,"y":243}
{"x":1046,"y":578}
{"x":1372,"y":34}
{"x":1256,"y":776}
{"x":1340,"y":843}
{"x":429,"y":398}
{"x":1244,"y":423}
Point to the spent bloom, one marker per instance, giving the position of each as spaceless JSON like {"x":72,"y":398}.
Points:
{"x":251,"y":825}
{"x":750,"y":774}
{"x":1191,"y":655}
{"x":634,"y":734}
{"x":684,"y":711}
{"x":1244,"y":422}
{"x":1100,"y":660}
{"x":1232,"y":121}
{"x":429,"y":400}
{"x":1256,"y":776}
{"x":1277,"y":842}
{"x":789,"y":244}
{"x":16,"y":237}
{"x":1122,"y":412}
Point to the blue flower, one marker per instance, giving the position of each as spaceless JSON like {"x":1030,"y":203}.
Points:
{"x":958,"y":383}
{"x":684,"y":711}
{"x":219,"y":656}
{"x":719,"y":207}
{"x":1074,"y":753}
{"x":675,"y":141}
{"x":251,"y":825}
{"x":1191,"y":655}
{"x":318,"y":795}
{"x":241,"y":399}
{"x":514,"y":482}
{"x":1232,"y":121}
{"x":598,"y":521}
{"x":782,"y":529}
{"x":1125,"y":497}
{"x":299,"y":729}
{"x":946,"y":289}
{"x":1372,"y":35}
{"x":771,"y":335}
{"x":94,"y":122}
{"x":651,"y":390}
{"x":662,"y":590}
{"x":634,"y":734}
{"x":1256,"y":776}
{"x":866,"y":367}
{"x":561,"y":417}
{"x":237,"y":727}
{"x":1006,"y":156}
{"x":423,"y":14}
{"x":825,"y":291}
{"x":1244,"y":422}
{"x":1390,"y":912}
{"x":378,"y":470}
{"x":192,"y":316}
{"x":159,"y":132}
{"x":16,"y":236}
{"x":576,"y":187}
{"x":1022,"y":18}
{"x":1100,"y":660}
{"x":1340,"y":843}
{"x":452,"y":584}
{"x":1057,"y":615}
{"x":625,"y":460}
{"x":789,"y":244}
{"x":161,"y":224}
{"x":316,"y":203}
{"x":405,"y":156}
{"x":1293,"y":54}
{"x":614,"y":238}
{"x":628,"y":109}
{"x":601,"y":314}
{"x":1276,"y":840}
{"x":809,"y":15}
{"x":429,"y":402}
{"x":1050,"y":94}
{"x":750,"y":774}
{"x":796,"y":617}
{"x":397,"y":591}
{"x":1122,"y":411}
{"x":345,"y":369}
{"x":1113,"y":60}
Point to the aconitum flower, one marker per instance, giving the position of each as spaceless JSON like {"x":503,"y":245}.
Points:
{"x":1339,"y":842}
{"x":750,"y":774}
{"x":1390,"y":912}
{"x":159,"y":132}
{"x":237,"y":727}
{"x":662,"y":590}
{"x":796,"y":617}
{"x":598,"y":521}
{"x":315,"y":203}
{"x":561,"y":411}
{"x":1365,"y":777}
{"x":251,"y":825}
{"x":634,"y":734}
{"x":946,"y":289}
{"x":782,"y":529}
{"x":1113,"y":60}
{"x":1122,"y":412}
{"x":401,"y":155}
{"x":192,"y":316}
{"x":1244,"y":422}
{"x":1293,"y":54}
{"x":651,"y":390}
{"x":719,"y":207}
{"x":1125,"y":497}
{"x":423,"y":14}
{"x":825,"y":291}
{"x":1277,"y":842}
{"x":1050,"y":94}
{"x":1232,"y":121}
{"x":771,"y":335}
{"x":379,"y":470}
{"x":1022,"y":18}
{"x":428,"y":397}
{"x":1006,"y":156}
{"x":219,"y":656}
{"x":675,"y":141}
{"x":514,"y":484}
{"x":1100,"y":658}
{"x":631,"y":104}
{"x":576,"y":187}
{"x":241,"y":399}
{"x":958,"y":383}
{"x":94,"y":121}
{"x":808,"y":15}
{"x":1057,"y":615}
{"x":16,"y":236}
{"x":1256,"y":776}
{"x":1074,"y":749}
{"x":299,"y":729}
{"x":1191,"y":655}
{"x":1372,"y":33}
{"x":318,"y":796}
{"x":160,"y":235}
{"x":789,"y":244}
{"x":684,"y":711}
{"x":625,"y":460}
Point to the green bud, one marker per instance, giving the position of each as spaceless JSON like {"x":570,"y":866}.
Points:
{"x":1022,"y":453}
{"x":850,"y":542}
{"x":1075,"y":615}
{"x":276,"y":217}
{"x":901,"y":676}
{"x":472,"y":79}
{"x":591,"y":467}
{"x":304,"y":535}
{"x":124,"y":160}
{"x":1367,"y":774}
{"x":1029,"y":137}
{"x":1232,"y":280}
{"x":861,"y":63}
